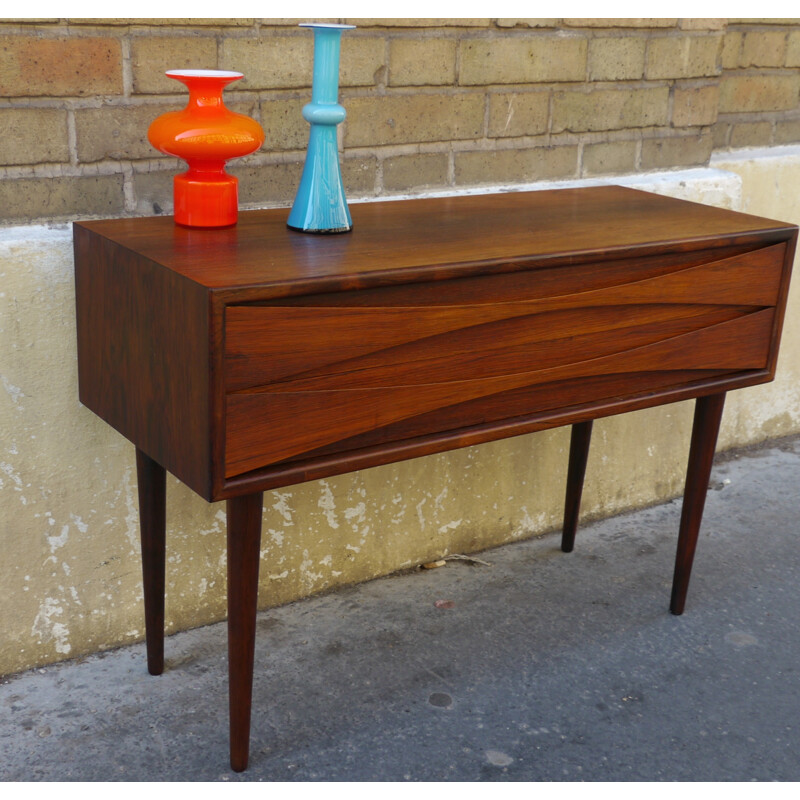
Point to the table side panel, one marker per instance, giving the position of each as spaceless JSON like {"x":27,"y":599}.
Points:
{"x":783,"y":296}
{"x":143,"y":359}
{"x":335,"y":377}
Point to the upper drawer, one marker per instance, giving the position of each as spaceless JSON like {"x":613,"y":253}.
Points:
{"x":341,"y":371}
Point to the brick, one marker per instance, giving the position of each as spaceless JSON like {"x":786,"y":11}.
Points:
{"x":527,"y":23}
{"x":163,"y":22}
{"x":60,"y":67}
{"x":27,"y":199}
{"x":518,"y":113}
{"x":793,"y":49}
{"x":116,"y":132}
{"x":362,"y":60}
{"x":287,"y":61}
{"x":678,"y":151}
{"x":415,"y":171}
{"x":609,"y":109}
{"x":274,"y":184}
{"x":787,"y":131}
{"x":153,"y":190}
{"x":530,"y":59}
{"x":412,"y":118}
{"x":619,"y":22}
{"x":152,"y":56}
{"x":270,"y":62}
{"x":515,"y":166}
{"x":283,"y":124}
{"x":616,"y":58}
{"x":432,"y":22}
{"x":695,"y":106}
{"x":747,"y":93}
{"x":358,"y":175}
{"x":720,"y":133}
{"x":422,"y":62}
{"x":762,"y":21}
{"x":751,"y":134}
{"x":732,"y":49}
{"x":763,"y":49}
{"x":33,"y":136}
{"x":683,"y":57}
{"x":700,"y":24}
{"x":608,"y":158}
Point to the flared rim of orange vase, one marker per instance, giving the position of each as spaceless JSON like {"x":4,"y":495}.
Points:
{"x":204,"y":73}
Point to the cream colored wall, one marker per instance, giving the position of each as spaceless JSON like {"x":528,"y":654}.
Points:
{"x":69,"y":571}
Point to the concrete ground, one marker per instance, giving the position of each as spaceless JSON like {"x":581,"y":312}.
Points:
{"x":541,"y":666}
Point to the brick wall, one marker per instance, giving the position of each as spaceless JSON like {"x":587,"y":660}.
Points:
{"x":431,"y":103}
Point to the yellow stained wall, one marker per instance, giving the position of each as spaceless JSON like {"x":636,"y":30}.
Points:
{"x":70,"y":567}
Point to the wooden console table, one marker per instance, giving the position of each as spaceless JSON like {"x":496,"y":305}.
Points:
{"x":254,"y":357}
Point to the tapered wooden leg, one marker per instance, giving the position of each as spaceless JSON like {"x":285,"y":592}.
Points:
{"x":152,"y":480}
{"x":578,"y":455}
{"x":244,"y":547}
{"x":707,"y":416}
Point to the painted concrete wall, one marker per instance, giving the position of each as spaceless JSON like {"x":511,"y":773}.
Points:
{"x":70,"y":568}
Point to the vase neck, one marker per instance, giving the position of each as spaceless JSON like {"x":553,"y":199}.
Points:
{"x":325,"y":88}
{"x":207,"y":169}
{"x":205,"y":94}
{"x":205,"y":90}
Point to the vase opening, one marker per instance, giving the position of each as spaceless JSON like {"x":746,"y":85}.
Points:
{"x":203,"y":73}
{"x":332,"y":25}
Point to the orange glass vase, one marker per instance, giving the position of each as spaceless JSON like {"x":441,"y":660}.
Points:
{"x":206,"y":135}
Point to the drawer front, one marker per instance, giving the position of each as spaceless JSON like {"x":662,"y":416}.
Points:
{"x":306,"y":378}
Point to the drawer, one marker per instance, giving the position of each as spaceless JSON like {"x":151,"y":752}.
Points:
{"x":312,"y":376}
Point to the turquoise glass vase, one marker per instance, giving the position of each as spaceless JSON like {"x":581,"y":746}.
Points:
{"x":320,"y":205}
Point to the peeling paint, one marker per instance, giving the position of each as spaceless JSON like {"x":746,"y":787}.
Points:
{"x":357,"y":513}
{"x":420,"y":515}
{"x":276,"y":536}
{"x":450,"y":526}
{"x":282,"y":506}
{"x":15,"y":392}
{"x":8,"y":469}
{"x":56,"y":542}
{"x":308,"y":577}
{"x":47,"y":629}
{"x":130,"y":496}
{"x":328,"y":504}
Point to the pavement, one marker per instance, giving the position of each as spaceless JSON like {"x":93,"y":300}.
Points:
{"x":537,"y":666}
